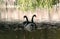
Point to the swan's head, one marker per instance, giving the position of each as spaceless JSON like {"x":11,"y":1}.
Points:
{"x":34,"y":15}
{"x":25,"y":16}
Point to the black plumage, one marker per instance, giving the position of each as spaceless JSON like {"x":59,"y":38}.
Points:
{"x":30,"y":26}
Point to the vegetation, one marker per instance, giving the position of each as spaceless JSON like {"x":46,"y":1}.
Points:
{"x":33,"y":4}
{"x":1,"y":1}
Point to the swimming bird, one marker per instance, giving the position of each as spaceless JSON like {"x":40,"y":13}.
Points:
{"x":31,"y":26}
{"x":26,"y":22}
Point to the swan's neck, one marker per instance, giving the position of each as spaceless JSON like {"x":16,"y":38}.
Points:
{"x":26,"y":19}
{"x":32,"y":19}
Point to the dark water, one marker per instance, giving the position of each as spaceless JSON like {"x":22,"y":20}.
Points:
{"x":38,"y":34}
{"x":53,"y":33}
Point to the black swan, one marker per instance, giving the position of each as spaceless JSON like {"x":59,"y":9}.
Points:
{"x":30,"y":26}
{"x":26,"y":22}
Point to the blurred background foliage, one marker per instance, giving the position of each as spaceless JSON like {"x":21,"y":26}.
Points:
{"x":1,"y":1}
{"x":33,"y":4}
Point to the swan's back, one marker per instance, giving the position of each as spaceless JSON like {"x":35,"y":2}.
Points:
{"x":30,"y":27}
